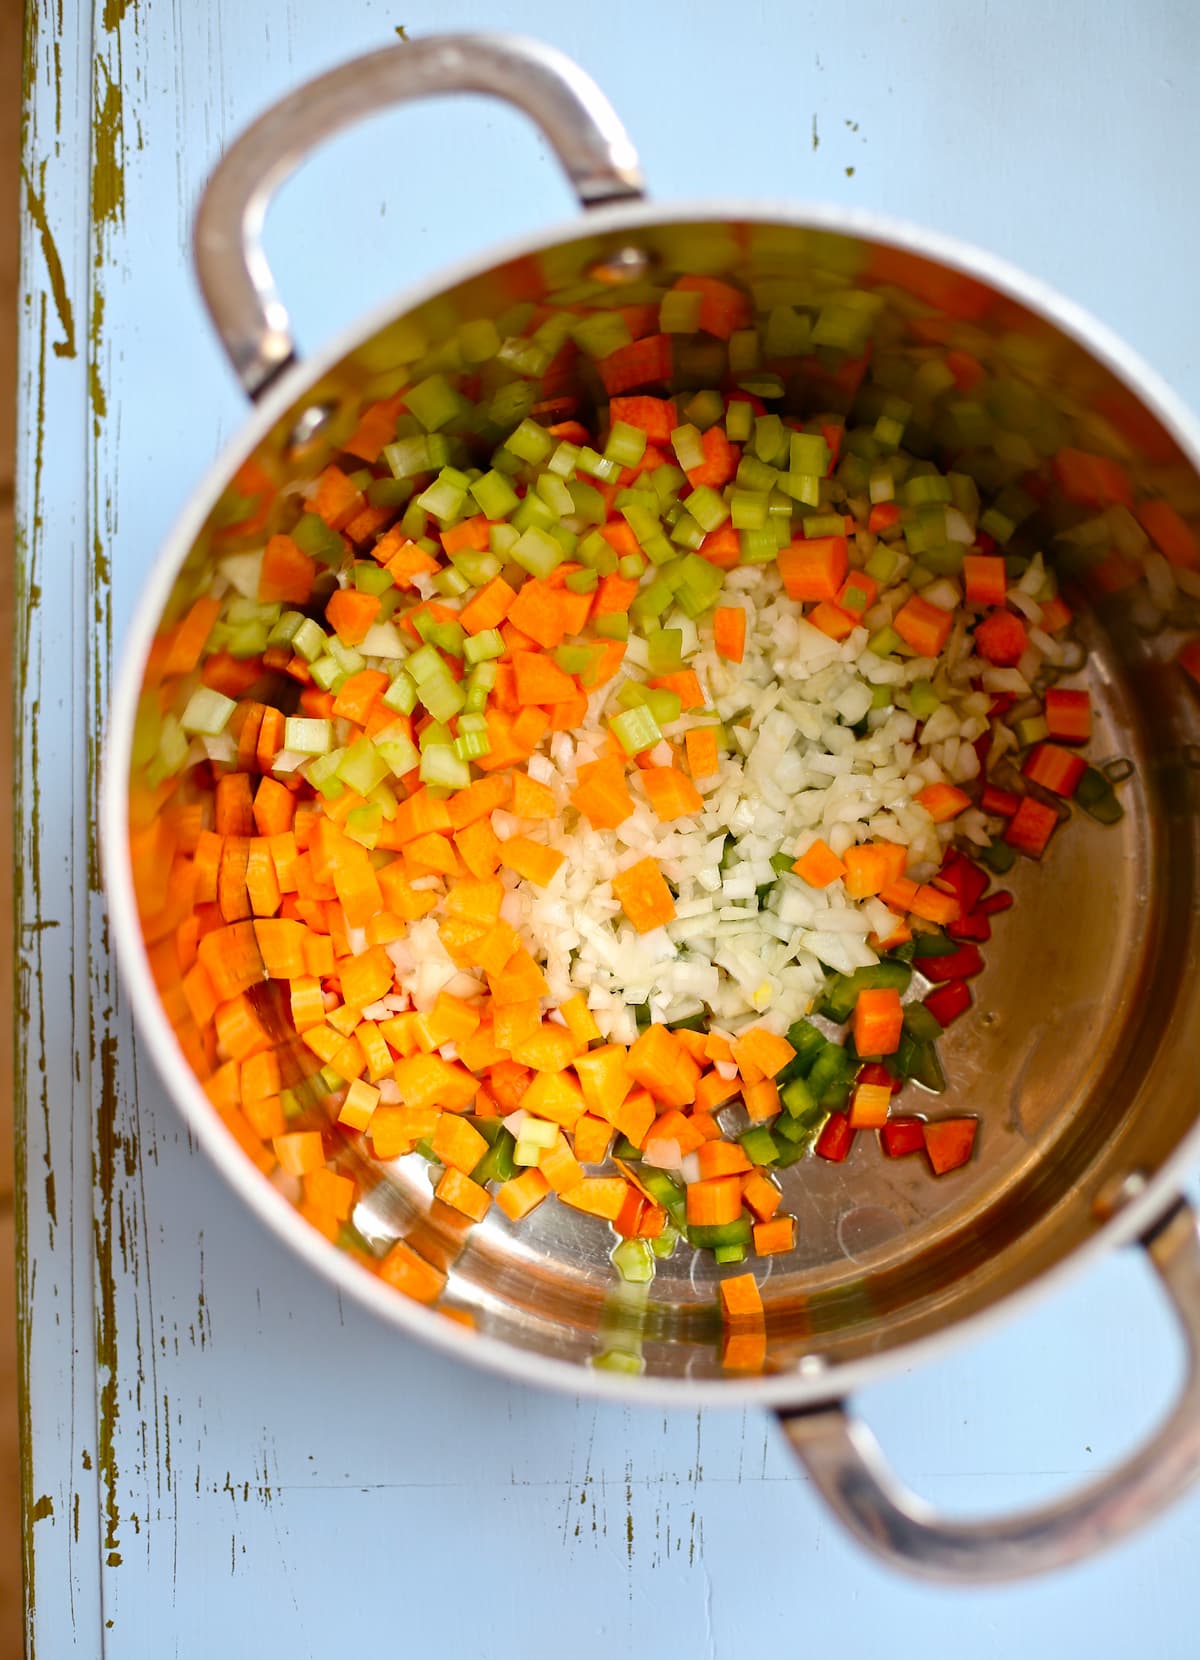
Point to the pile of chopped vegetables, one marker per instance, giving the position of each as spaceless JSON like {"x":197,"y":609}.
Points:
{"x":616,"y":803}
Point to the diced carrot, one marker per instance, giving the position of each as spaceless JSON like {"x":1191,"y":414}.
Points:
{"x":653,"y":416}
{"x":760,"y":1196}
{"x":703,"y":759}
{"x":403,"y":560}
{"x":872,"y":867}
{"x":985,"y":579}
{"x":523,"y":1193}
{"x":661,"y":1065}
{"x":1068,"y":715}
{"x":857,"y":593}
{"x":1054,"y":768}
{"x":729,"y":632}
{"x":336,"y":500}
{"x":819,"y":865}
{"x":287,"y":573}
{"x":489,"y":607}
{"x":713,"y":1203}
{"x":723,"y":308}
{"x":592,"y":1138}
{"x":741,"y":1301}
{"x":1031,"y":827}
{"x":883,"y":515}
{"x":931,"y":905}
{"x":815,"y":568}
{"x":943,"y":801}
{"x":948,"y":1142}
{"x":190,"y":637}
{"x":635,"y":1117}
{"x":1056,"y":614}
{"x":520,"y":979}
{"x":458,"y":1190}
{"x":232,"y":958}
{"x":763,"y":1050}
{"x":232,"y":675}
{"x":605,"y":1080}
{"x":358,"y":695}
{"x":644,"y":895}
{"x":350,"y":614}
{"x":299,"y":1152}
{"x":671,"y":793}
{"x":713,"y":1091}
{"x":773,"y":1237}
{"x":537,"y":612}
{"x":409,"y":1272}
{"x":548,"y":1049}
{"x":532,"y":799}
{"x":1001,"y":638}
{"x":923,"y":626}
{"x":721,"y":1158}
{"x":531,"y":860}
{"x":540,"y":680}
{"x":601,"y":1196}
{"x":720,"y":460}
{"x":602,"y":795}
{"x":761,"y":1099}
{"x":831,"y":620}
{"x":878,"y":1018}
{"x":580,"y":1021}
{"x":560,"y":1166}
{"x":723,"y":548}
{"x":1171,"y":534}
{"x":869,"y":1106}
{"x":646,"y":362}
{"x":1093,"y":480}
{"x":428,"y":1080}
{"x":262,"y":885}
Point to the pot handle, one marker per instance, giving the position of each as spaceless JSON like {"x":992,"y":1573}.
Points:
{"x":235,"y":279}
{"x":847,"y":1464}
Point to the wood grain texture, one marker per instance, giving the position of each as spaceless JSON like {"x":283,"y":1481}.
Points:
{"x":221,"y":1458}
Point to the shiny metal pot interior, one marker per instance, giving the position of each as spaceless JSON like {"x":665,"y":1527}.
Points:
{"x":1080,"y":1054}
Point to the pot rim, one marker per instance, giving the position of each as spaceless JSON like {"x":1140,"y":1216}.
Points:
{"x":789,"y":1389}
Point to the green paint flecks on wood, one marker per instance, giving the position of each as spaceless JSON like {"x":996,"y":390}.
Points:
{"x":95,"y":335}
{"x":36,"y":203}
{"x":42,"y":1509}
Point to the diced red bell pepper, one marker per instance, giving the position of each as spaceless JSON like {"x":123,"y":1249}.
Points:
{"x":985,"y":543}
{"x":948,"y":1142}
{"x":1031,"y":827}
{"x":958,"y":965}
{"x":1055,"y":768}
{"x":875,"y":1073}
{"x":949,"y":1001}
{"x":901,"y":1136}
{"x":1003,"y":803}
{"x":1001,"y":900}
{"x":1069,"y":715}
{"x":1001,"y":703}
{"x":833,"y":1143}
{"x":962,"y":877}
{"x":973,"y":926}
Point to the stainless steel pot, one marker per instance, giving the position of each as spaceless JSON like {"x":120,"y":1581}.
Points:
{"x":1082,"y":1054}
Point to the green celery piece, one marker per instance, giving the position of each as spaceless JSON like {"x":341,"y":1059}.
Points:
{"x":634,"y":1261}
{"x":922,"y":699}
{"x":564,"y":460}
{"x":494,"y":495}
{"x":555,"y":494}
{"x":475,"y":567}
{"x":748,"y":509}
{"x":307,"y":736}
{"x":770,"y":441}
{"x":739,"y":1232}
{"x":582,"y":582}
{"x":443,"y":697}
{"x":758,"y":547}
{"x":704,"y":409}
{"x":739,"y":420}
{"x":530,"y":442}
{"x":370,"y":578}
{"x":726,"y":1254}
{"x":685,"y":441}
{"x":611,"y":625}
{"x":707,"y":507}
{"x":925,"y":487}
{"x":665,"y":706}
{"x":401,"y":695}
{"x":679,"y":312}
{"x":440,"y":765}
{"x":602,"y":334}
{"x":664,"y":648}
{"x":882,"y":563}
{"x":626,"y":444}
{"x":364,"y":823}
{"x":586,"y":501}
{"x":328,"y":673}
{"x":313,"y":536}
{"x":577,"y":659}
{"x":635,"y":729}
{"x":809,"y":453}
{"x":207,"y":712}
{"x":470,"y":746}
{"x":630,"y":566}
{"x":884,"y":642}
{"x":537,"y":552}
{"x":482,"y":647}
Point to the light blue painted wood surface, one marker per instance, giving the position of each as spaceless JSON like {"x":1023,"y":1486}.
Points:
{"x":224,"y":1459}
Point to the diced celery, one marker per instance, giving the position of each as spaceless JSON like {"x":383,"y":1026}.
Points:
{"x":739,"y":420}
{"x":707,"y":507}
{"x":494,"y":495}
{"x":626,"y":444}
{"x":748,"y":509}
{"x":704,"y":409}
{"x":882,"y":563}
{"x":446,"y":496}
{"x":440,"y":765}
{"x":666,"y":706}
{"x":582,"y":582}
{"x":686,"y":533}
{"x":399,"y":752}
{"x":442,"y":696}
{"x":475,"y":566}
{"x":611,"y":625}
{"x":809,"y":453}
{"x":801,"y":487}
{"x":724,"y":1254}
{"x":364,"y":823}
{"x":770,"y":442}
{"x":788,"y":332}
{"x":658,"y":550}
{"x":758,"y":547}
{"x":597,"y":466}
{"x":601,"y":334}
{"x":634,"y":1261}
{"x":524,"y":356}
{"x":434,"y":402}
{"x":313,"y":536}
{"x":884,"y":642}
{"x":348,"y":659}
{"x":488,"y":643}
{"x":743,"y":351}
{"x":753,"y":474}
{"x":587,"y":503}
{"x":531,"y":442}
{"x":679,"y":312}
{"x":207,"y":712}
{"x":564,"y":460}
{"x":307,"y":737}
{"x":408,"y":457}
{"x":415,"y":521}
{"x":537,"y":552}
{"x":446,"y":636}
{"x":328,"y":673}
{"x":925,"y":487}
{"x":555,"y":494}
{"x":470,"y":746}
{"x":635,"y":729}
{"x":362,"y":767}
{"x":685,"y":441}
{"x":923,"y":700}
{"x":284,"y":631}
{"x":576,"y":659}
{"x":1032,"y":730}
{"x":479,"y":339}
{"x":664,"y":647}
{"x":321,"y":773}
{"x":401,"y":695}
